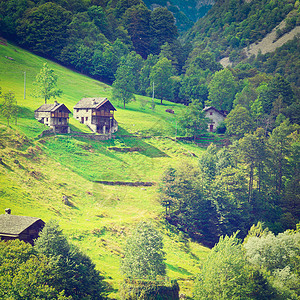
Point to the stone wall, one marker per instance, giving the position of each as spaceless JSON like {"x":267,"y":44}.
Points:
{"x":92,"y":136}
{"x":125,"y":183}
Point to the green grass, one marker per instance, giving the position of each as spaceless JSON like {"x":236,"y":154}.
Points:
{"x":36,"y":173}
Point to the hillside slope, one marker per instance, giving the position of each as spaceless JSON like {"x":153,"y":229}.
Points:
{"x":233,"y":25}
{"x":36,"y":173}
{"x":268,"y":44}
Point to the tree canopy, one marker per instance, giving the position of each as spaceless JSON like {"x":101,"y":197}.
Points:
{"x":192,"y":120}
{"x":160,"y":75}
{"x":45,"y":85}
{"x":9,"y":108}
{"x":143,"y":253}
{"x":75,"y":272}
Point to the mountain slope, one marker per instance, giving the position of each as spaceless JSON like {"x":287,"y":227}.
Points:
{"x":36,"y":173}
{"x":268,"y":44}
{"x":186,"y":13}
{"x":232,"y":25}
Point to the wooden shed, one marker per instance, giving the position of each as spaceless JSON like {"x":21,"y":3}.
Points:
{"x":24,"y":228}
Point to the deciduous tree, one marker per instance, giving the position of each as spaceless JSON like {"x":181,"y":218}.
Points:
{"x":127,"y":78}
{"x":222,"y":89}
{"x":193,"y":120}
{"x":9,"y":108}
{"x":189,"y":207}
{"x":76,"y":273}
{"x":137,"y":21}
{"x":225,"y":274}
{"x":160,"y":75}
{"x":280,"y":256}
{"x":163,"y":28}
{"x":45,"y":85}
{"x":44,"y":28}
{"x":25,"y":274}
{"x":143,"y":253}
{"x":239,"y":122}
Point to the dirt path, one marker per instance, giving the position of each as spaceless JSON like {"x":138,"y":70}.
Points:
{"x":267,"y":44}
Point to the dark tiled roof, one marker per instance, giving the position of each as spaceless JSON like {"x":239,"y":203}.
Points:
{"x":207,"y":108}
{"x":51,"y":107}
{"x":95,"y":102}
{"x":14,"y":225}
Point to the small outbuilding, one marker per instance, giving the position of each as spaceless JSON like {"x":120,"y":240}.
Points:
{"x":55,"y":115}
{"x":216,"y":117}
{"x":97,"y":114}
{"x":24,"y":228}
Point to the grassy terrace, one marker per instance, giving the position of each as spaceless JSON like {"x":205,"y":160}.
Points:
{"x":36,"y":173}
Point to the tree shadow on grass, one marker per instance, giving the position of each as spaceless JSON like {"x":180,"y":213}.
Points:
{"x":25,"y":113}
{"x":178,"y":270}
{"x":133,"y":141}
{"x":5,"y":165}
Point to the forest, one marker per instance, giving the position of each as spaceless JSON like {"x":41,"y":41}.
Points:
{"x":99,"y":37}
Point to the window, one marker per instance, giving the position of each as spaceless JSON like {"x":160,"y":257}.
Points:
{"x":86,"y":118}
{"x":87,"y":110}
{"x":59,"y":120}
{"x":46,"y":119}
{"x":77,"y":109}
{"x":210,"y":113}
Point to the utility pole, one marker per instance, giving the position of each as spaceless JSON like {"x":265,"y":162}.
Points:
{"x":153,"y":104}
{"x":24,"y":85}
{"x":153,"y":92}
{"x":176,"y":131}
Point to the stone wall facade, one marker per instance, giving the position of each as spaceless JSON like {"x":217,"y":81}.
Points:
{"x":100,"y":124}
{"x":215,"y":119}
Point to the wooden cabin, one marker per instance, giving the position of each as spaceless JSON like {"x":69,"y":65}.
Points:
{"x":55,"y":115}
{"x":97,"y":114}
{"x":24,"y":228}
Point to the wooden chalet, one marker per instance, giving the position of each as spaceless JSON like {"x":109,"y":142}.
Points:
{"x":97,"y":114}
{"x":55,"y":115}
{"x":24,"y":228}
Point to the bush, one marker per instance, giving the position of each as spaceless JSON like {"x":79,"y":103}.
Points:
{"x":149,"y":290}
{"x":221,"y":129}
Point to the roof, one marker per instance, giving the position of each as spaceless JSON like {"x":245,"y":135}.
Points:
{"x":14,"y":225}
{"x":51,"y":107}
{"x":207,"y":108}
{"x":95,"y":103}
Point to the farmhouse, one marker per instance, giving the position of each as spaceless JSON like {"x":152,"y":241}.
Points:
{"x":97,"y":114}
{"x":55,"y":115}
{"x":216,"y":117}
{"x":24,"y":228}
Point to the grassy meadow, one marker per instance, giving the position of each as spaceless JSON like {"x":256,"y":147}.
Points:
{"x":36,"y":173}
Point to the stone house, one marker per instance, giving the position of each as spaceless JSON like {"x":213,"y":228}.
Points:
{"x":24,"y":228}
{"x":55,"y":115}
{"x":216,"y":117}
{"x":97,"y":114}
